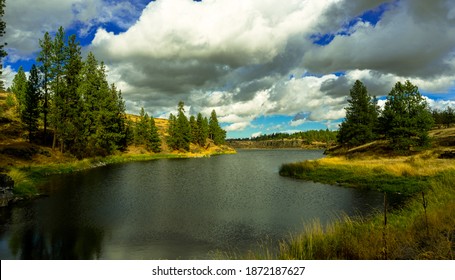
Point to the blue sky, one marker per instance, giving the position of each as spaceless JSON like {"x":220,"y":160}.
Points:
{"x":263,"y":67}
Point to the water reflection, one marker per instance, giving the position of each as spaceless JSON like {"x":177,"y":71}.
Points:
{"x":32,"y":243}
{"x":31,"y":240}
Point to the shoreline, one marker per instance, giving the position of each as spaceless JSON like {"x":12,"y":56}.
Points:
{"x":28,"y":178}
{"x":424,"y":228}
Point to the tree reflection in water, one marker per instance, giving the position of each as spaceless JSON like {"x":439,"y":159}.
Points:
{"x":65,"y":244}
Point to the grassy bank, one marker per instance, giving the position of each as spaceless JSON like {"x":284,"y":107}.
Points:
{"x":406,"y":175}
{"x":414,"y":232}
{"x":423,"y":229}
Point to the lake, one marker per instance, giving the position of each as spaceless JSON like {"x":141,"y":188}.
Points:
{"x":174,"y":209}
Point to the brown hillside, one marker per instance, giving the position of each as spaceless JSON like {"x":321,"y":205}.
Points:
{"x":443,"y":142}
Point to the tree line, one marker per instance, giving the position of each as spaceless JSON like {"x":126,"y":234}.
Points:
{"x":444,"y":118}
{"x":72,"y":97}
{"x":83,"y":114}
{"x":404,"y":121}
{"x":310,"y":136}
{"x":182,"y":132}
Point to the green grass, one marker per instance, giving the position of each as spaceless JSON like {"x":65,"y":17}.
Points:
{"x":355,"y":176}
{"x":24,"y":186}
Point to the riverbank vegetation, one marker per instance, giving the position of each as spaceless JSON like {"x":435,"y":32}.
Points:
{"x":393,"y":150}
{"x":414,"y":232}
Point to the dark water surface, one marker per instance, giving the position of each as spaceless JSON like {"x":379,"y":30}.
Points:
{"x":174,"y":209}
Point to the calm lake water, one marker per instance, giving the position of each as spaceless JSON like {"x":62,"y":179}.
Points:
{"x":174,"y":209}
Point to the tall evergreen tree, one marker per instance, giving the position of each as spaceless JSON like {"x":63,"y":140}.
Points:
{"x":205,"y":129}
{"x":216,"y":133}
{"x":109,"y":132}
{"x":171,"y":139}
{"x":19,"y":88}
{"x":89,"y":93}
{"x":71,"y":110}
{"x":58,"y":86}
{"x":202,"y":128}
{"x":153,"y":141}
{"x":361,"y":118}
{"x":183,"y":129}
{"x":92,"y":99}
{"x":45,"y":58}
{"x":142,"y":128}
{"x":30,"y":114}
{"x":406,"y":118}
{"x":194,"y":129}
{"x":129,"y":133}
{"x":121,"y":120}
{"x":103,"y":110}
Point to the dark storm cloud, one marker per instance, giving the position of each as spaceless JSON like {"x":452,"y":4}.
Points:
{"x":414,"y":39}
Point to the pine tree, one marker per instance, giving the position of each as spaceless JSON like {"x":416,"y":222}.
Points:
{"x":183,"y":129}
{"x":406,"y":118}
{"x":45,"y":58}
{"x":194,"y":130}
{"x":111,"y":117}
{"x":30,"y":114}
{"x":216,"y":133}
{"x":121,"y":119}
{"x":129,"y":133}
{"x":103,"y":110}
{"x":172,"y":133}
{"x":154,"y":141}
{"x":19,"y":88}
{"x":141,"y":128}
{"x":88,"y":90}
{"x":205,"y":129}
{"x":202,"y":129}
{"x":361,"y":118}
{"x":72,"y":108}
{"x":58,"y":86}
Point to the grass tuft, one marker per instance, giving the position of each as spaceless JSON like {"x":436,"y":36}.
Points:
{"x":23,"y":185}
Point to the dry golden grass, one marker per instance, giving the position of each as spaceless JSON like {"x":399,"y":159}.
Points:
{"x":420,"y":165}
{"x":161,"y":124}
{"x":443,"y":132}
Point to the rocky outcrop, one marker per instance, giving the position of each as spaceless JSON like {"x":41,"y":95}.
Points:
{"x":6,"y":189}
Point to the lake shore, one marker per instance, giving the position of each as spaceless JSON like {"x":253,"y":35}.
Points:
{"x":423,"y":229}
{"x":29,"y":176}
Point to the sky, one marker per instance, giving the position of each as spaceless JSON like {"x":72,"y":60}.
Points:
{"x":264,"y":66}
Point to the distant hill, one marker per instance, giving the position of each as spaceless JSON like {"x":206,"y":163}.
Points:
{"x":312,"y":139}
{"x":279,"y":144}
